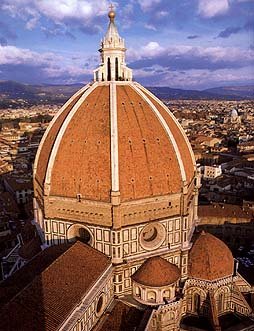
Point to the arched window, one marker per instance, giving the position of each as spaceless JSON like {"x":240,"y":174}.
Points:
{"x":117,"y":71}
{"x":109,"y":70}
{"x":77,"y":232}
{"x":166,"y":294}
{"x":83,"y":235}
{"x":196,"y":303}
{"x":151,"y":296}
{"x":220,"y":302}
{"x":138,"y":291}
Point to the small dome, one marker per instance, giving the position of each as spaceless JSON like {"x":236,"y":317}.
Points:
{"x":234,"y":113}
{"x":210,"y":258}
{"x":156,"y":272}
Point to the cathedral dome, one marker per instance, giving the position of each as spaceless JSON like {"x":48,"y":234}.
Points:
{"x":113,"y":142}
{"x":210,"y":258}
{"x":156,"y":272}
{"x":114,"y":137}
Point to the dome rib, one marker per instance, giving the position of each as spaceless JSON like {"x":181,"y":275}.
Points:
{"x":166,"y":128}
{"x":147,"y":162}
{"x":114,"y":138}
{"x":60,"y":135}
{"x":178,"y":132}
{"x":50,"y":135}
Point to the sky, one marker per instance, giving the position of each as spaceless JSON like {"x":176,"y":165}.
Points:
{"x":190,"y":44}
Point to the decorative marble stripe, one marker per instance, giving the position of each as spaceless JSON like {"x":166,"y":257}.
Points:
{"x":114,"y":138}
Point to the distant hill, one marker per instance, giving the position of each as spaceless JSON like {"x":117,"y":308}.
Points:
{"x":17,"y":94}
{"x":219,"y":93}
{"x":240,"y":91}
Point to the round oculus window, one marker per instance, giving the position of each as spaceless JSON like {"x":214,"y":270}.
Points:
{"x":100,"y":304}
{"x":152,"y":236}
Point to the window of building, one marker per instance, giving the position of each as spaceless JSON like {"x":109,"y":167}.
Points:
{"x":220,"y":302}
{"x":138,"y":291}
{"x":196,"y":303}
{"x":151,"y":296}
{"x":100,"y":304}
{"x":116,"y":66}
{"x":152,"y":236}
{"x":109,"y":70}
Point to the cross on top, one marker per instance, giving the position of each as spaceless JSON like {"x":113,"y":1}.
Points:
{"x":111,"y":7}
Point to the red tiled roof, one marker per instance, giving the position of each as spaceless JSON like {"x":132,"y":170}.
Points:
{"x":224,"y":210}
{"x":156,"y":272}
{"x":47,"y":301}
{"x":210,"y":258}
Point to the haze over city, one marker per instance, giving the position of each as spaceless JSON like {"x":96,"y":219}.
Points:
{"x":186,"y":44}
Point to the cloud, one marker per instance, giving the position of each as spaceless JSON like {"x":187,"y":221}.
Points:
{"x":184,"y":57}
{"x":150,"y":27}
{"x":29,"y":66}
{"x":211,"y":8}
{"x":147,"y":5}
{"x":57,"y":30}
{"x":81,"y":13}
{"x":15,"y":55}
{"x":191,"y":66}
{"x":248,"y":26}
{"x":194,"y":78}
{"x":152,"y":49}
{"x":193,"y":37}
{"x":229,"y":31}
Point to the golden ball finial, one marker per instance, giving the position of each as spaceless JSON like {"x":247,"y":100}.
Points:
{"x":111,"y":13}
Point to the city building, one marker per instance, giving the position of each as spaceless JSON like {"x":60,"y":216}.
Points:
{"x":211,"y":172}
{"x":116,"y":198}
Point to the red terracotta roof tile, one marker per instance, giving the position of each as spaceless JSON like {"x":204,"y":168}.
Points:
{"x":53,"y":294}
{"x":156,"y":272}
{"x":147,"y":161}
{"x":48,"y":144}
{"x":210,"y":258}
{"x":225,"y":210}
{"x":82,"y":164}
{"x":182,"y":145}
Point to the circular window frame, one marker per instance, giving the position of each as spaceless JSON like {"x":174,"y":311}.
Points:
{"x":72,"y":228}
{"x":102,"y":305}
{"x":157,"y":241}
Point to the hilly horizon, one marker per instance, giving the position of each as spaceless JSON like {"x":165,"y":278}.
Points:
{"x":16,"y":94}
